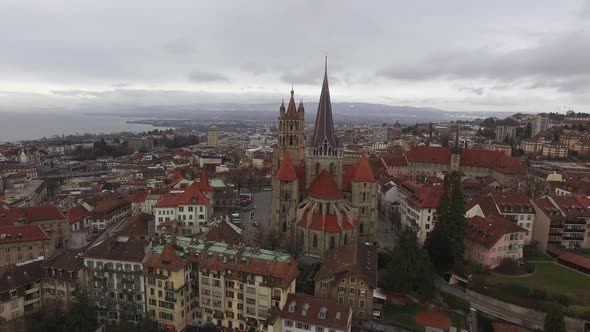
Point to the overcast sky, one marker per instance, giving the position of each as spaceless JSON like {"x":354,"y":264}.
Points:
{"x":525,"y":55}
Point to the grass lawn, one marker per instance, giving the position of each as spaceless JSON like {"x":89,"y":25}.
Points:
{"x":404,"y":314}
{"x":535,"y":255}
{"x":552,"y":279}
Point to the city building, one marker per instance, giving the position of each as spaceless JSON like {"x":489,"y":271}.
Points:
{"x":502,"y":147}
{"x":108,"y":211}
{"x":531,"y":146}
{"x":237,"y":285}
{"x":418,"y":203}
{"x":113,"y":272}
{"x":49,"y":217}
{"x":60,"y":274}
{"x":562,"y":221}
{"x":539,"y":124}
{"x":424,"y":161}
{"x":554,"y":151}
{"x":213,"y":136}
{"x":143,"y":144}
{"x":395,"y":166}
{"x":505,"y":131}
{"x":514,"y":206}
{"x":169,"y":293}
{"x":23,"y":243}
{"x":20,"y":295}
{"x":190,"y":206}
{"x":491,"y":239}
{"x":349,"y":276}
{"x":318,"y":200}
{"x":302,"y":313}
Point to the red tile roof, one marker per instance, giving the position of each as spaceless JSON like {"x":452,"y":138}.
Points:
{"x":347,"y":174}
{"x":512,"y":202}
{"x":285,"y":271}
{"x":336,"y":315}
{"x":578,"y":260}
{"x":486,"y":204}
{"x":166,"y":260}
{"x":24,"y":233}
{"x":488,"y":231}
{"x":204,"y":181}
{"x":132,"y":250}
{"x":358,"y":258}
{"x":41,"y":213}
{"x":77,"y":213}
{"x":190,"y":196}
{"x":426,"y":197}
{"x":222,"y":231}
{"x":327,"y":223}
{"x":363,"y":171}
{"x":394,"y":161}
{"x":138,"y":196}
{"x":429,"y":154}
{"x":324,"y":187}
{"x":469,"y":157}
{"x":286,"y":171}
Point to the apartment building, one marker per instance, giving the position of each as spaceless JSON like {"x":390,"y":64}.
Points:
{"x":554,"y":151}
{"x":539,"y":124}
{"x":49,"y":217}
{"x":113,"y":273}
{"x":236,"y":286}
{"x":531,"y":146}
{"x":303,"y":313}
{"x":418,"y":203}
{"x":108,"y":211}
{"x":502,"y":147}
{"x":60,"y":274}
{"x":20,"y":295}
{"x":491,"y":239}
{"x":505,"y":132}
{"x":23,"y":243}
{"x":562,"y":221}
{"x":514,"y":206}
{"x":169,"y":289}
{"x":349,"y":276}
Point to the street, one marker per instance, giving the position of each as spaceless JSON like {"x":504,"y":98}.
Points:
{"x":260,"y":215}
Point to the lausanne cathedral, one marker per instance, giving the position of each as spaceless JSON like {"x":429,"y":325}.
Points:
{"x":317,"y":200}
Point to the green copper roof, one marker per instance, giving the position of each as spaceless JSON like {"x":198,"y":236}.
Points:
{"x":217,"y":183}
{"x":187,"y":244}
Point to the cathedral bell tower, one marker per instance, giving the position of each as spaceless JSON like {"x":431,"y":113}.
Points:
{"x":456,"y":154}
{"x":291,"y":135}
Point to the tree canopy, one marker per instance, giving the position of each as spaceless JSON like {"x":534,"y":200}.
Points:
{"x":554,"y":320}
{"x":409,"y":268}
{"x":82,"y":314}
{"x":445,"y":243}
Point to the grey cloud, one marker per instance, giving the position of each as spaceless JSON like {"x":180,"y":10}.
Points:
{"x":121,"y":85}
{"x":75,"y":93}
{"x":478,"y":91}
{"x":199,"y":76}
{"x":565,"y":58}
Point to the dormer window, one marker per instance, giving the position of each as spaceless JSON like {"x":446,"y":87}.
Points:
{"x":304,"y":309}
{"x":322,"y":313}
{"x":292,"y":306}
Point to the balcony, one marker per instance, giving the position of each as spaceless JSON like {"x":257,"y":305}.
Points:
{"x":276,"y":297}
{"x":218,"y":315}
{"x":97,"y":278}
{"x":170,"y":298}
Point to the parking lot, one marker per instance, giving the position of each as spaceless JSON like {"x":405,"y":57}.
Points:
{"x":260,"y":215}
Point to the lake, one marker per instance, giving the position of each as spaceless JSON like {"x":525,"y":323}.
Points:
{"x":22,"y":126}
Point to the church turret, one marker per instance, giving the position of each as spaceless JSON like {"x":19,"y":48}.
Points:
{"x":291,"y":135}
{"x":301,"y":109}
{"x":285,"y":193}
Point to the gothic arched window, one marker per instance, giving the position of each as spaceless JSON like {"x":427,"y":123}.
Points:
{"x":331,"y":168}
{"x":290,"y":140}
{"x":332,"y":242}
{"x":315,"y":241}
{"x":317,"y":168}
{"x":345,"y":239}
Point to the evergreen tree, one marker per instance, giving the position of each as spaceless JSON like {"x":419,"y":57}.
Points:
{"x":82,"y":314}
{"x":410,"y":268}
{"x":445,"y":243}
{"x":554,"y":321}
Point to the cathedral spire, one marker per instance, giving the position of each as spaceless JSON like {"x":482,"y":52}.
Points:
{"x":324,"y":124}
{"x":292,"y":109}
